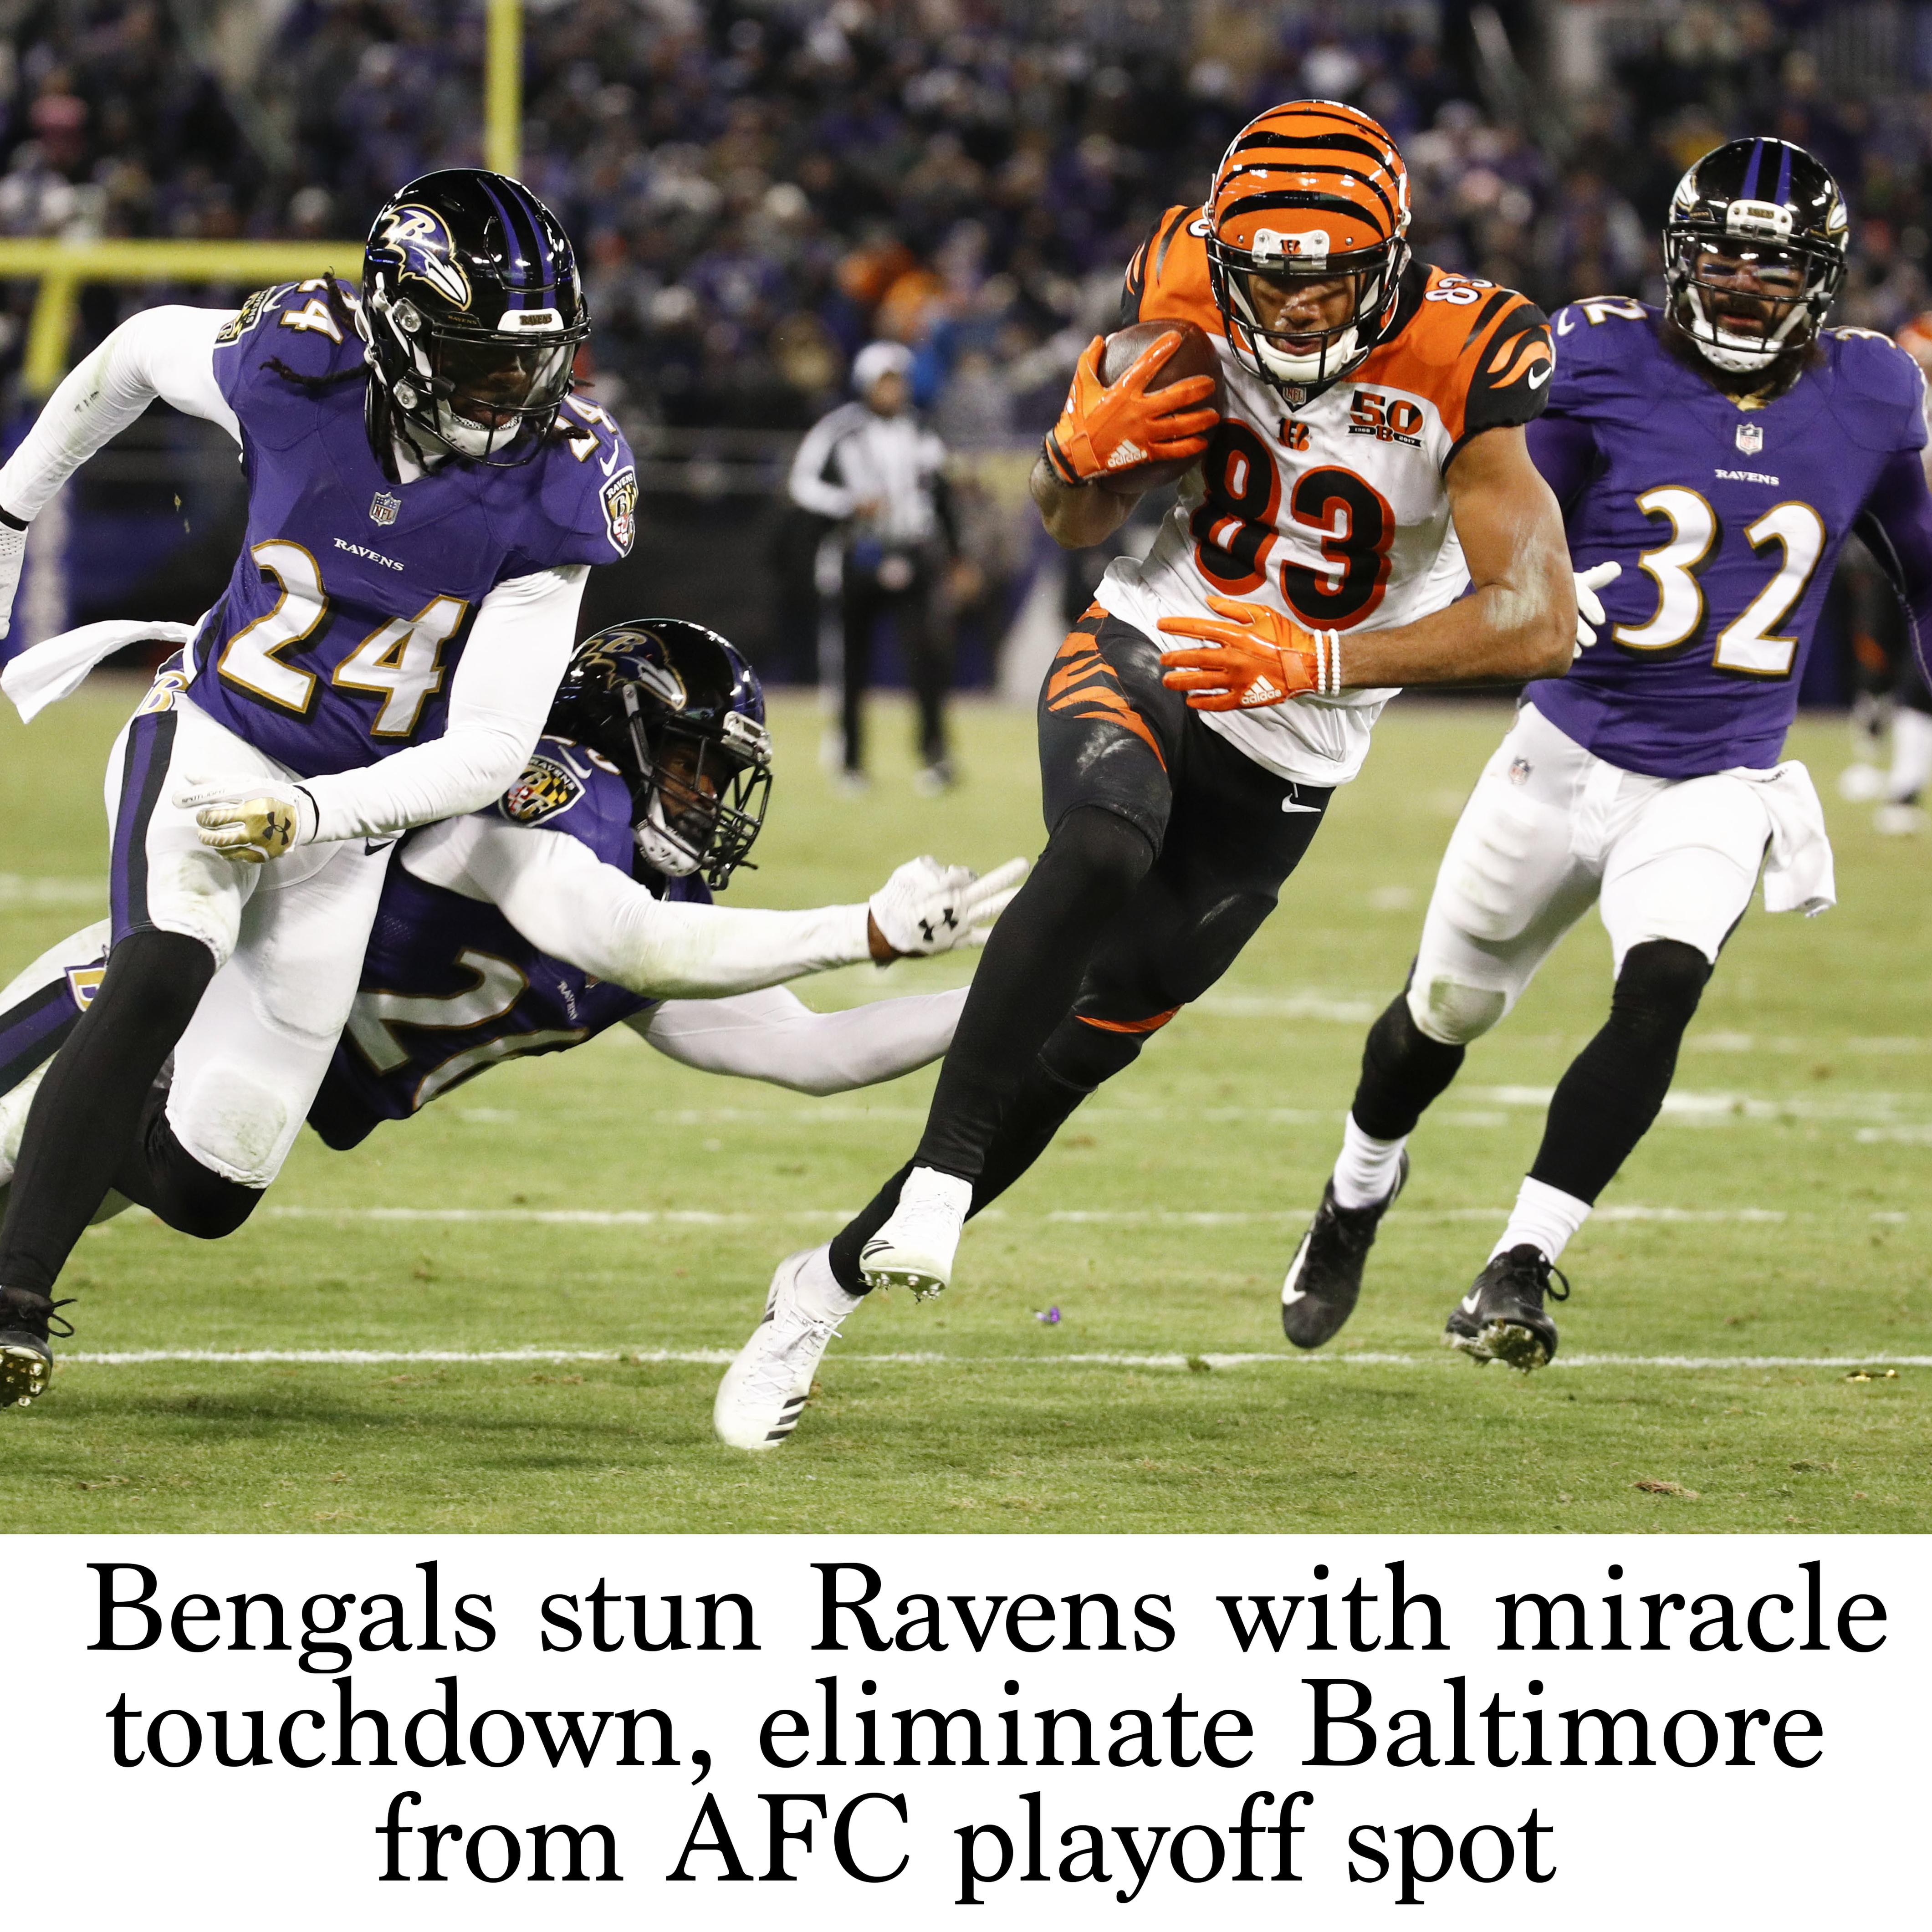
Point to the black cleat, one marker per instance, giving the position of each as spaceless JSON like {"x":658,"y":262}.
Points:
{"x":26,"y":1362}
{"x":1502,"y":1318}
{"x":1325,"y":1278}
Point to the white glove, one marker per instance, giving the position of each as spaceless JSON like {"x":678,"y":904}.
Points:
{"x":926,"y":907}
{"x":249,"y":821}
{"x":1589,"y":605}
{"x":12,"y":554}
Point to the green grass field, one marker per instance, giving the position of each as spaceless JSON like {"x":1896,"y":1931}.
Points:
{"x":1777,"y":1211}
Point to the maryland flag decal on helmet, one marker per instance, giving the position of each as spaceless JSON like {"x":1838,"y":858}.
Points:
{"x":1312,"y":190}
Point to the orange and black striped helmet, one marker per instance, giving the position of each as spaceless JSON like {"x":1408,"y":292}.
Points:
{"x":1310,"y":190}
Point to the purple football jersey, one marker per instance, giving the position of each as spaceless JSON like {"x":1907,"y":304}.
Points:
{"x":1727,"y":523}
{"x":450,"y":987}
{"x":337,"y":636}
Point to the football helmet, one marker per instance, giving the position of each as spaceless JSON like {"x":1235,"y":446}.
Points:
{"x":473,"y":314}
{"x":1309,"y":191}
{"x":681,"y":716}
{"x":1762,"y":205}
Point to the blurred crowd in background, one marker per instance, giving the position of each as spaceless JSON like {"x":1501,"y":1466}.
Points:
{"x":759,"y":187}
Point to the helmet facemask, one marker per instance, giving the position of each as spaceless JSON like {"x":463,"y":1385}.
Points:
{"x":703,"y":795}
{"x":479,"y":395}
{"x":1796,"y":286}
{"x":1301,"y":356}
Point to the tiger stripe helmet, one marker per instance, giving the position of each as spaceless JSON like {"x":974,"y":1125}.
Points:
{"x":1310,"y":190}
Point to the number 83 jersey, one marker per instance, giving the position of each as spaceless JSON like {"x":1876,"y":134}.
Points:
{"x":1332,"y":508}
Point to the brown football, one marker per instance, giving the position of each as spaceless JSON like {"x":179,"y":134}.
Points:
{"x":1192,"y":355}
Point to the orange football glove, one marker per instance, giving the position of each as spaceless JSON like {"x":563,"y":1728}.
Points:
{"x":1256,"y":657}
{"x":1102,"y":429}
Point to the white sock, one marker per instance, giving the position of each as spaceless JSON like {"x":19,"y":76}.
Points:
{"x":1911,"y":754}
{"x":1544,"y":1217}
{"x":818,"y":1290}
{"x":927,"y":1187}
{"x":1365,"y":1169}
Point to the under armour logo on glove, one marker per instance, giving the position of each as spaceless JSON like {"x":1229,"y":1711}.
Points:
{"x":927,"y":907}
{"x":251,"y":826}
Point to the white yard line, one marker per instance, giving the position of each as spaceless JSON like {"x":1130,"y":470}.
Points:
{"x":717,"y":1357}
{"x":1124,"y":1217}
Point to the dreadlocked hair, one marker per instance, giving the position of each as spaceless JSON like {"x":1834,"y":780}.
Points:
{"x":336,"y":294}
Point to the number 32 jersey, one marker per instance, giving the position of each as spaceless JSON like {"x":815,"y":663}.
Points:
{"x":1727,"y":522}
{"x":1334,"y":510}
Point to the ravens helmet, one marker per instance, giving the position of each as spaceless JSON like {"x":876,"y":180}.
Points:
{"x":1754,"y":252}
{"x":1309,"y":191}
{"x":473,"y":313}
{"x":681,"y":716}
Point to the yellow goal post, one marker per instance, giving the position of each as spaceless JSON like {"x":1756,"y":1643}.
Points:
{"x":61,"y":268}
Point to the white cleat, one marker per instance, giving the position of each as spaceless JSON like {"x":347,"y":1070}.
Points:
{"x":1861,"y":784}
{"x":766,"y":1388}
{"x":915,"y":1249}
{"x":1898,"y":821}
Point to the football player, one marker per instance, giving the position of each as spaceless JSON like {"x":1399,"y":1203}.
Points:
{"x":581,"y":899}
{"x":1711,"y":458}
{"x":424,"y":498}
{"x":1370,"y":462}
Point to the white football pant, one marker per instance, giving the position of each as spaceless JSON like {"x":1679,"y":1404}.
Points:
{"x":288,"y":936}
{"x":1551,"y":829}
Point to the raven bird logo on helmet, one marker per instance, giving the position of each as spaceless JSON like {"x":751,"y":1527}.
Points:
{"x":473,"y":313}
{"x":1312,"y":190}
{"x":681,"y":714}
{"x":1763,"y":212}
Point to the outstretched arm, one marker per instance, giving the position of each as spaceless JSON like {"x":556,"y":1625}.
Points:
{"x":567,"y":902}
{"x":774,"y":1036}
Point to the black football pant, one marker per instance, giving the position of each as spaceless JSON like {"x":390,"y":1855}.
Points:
{"x":98,"y":1123}
{"x":1166,"y":849}
{"x":924,"y":642}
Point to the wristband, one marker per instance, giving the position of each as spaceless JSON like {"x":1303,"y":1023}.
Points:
{"x":1327,"y":664}
{"x":1059,"y":465}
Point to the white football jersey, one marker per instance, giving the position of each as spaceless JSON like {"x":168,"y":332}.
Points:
{"x":1336,"y":512}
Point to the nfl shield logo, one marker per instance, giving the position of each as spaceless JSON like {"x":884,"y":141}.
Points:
{"x":1750,"y":438}
{"x":1293,"y":395}
{"x":384,"y":509}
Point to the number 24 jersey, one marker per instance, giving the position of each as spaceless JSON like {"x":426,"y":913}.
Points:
{"x":1334,"y":511}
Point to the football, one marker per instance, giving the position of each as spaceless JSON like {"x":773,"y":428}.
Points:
{"x":1192,"y":355}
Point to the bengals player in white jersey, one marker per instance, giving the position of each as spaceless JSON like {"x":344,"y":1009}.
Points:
{"x":1370,"y":463}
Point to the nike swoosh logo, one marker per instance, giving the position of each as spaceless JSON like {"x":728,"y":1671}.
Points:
{"x":370,"y":847}
{"x":1469,"y":1302}
{"x":1565,"y":322}
{"x":608,"y":467}
{"x":1294,"y":805}
{"x":1538,"y":377}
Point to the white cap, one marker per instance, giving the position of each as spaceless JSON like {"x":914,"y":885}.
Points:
{"x":877,"y":359}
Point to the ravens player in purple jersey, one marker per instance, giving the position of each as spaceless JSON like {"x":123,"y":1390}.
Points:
{"x":581,"y":899}
{"x":424,"y":498}
{"x":1710,"y":458}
